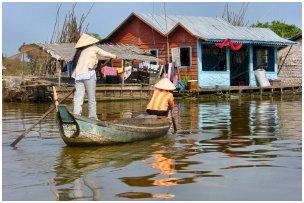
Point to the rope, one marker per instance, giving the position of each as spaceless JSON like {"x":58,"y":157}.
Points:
{"x":168,"y":57}
{"x":89,"y":11}
{"x":152,"y":27}
{"x":57,"y":21}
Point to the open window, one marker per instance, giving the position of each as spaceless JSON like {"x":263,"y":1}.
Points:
{"x":181,"y":56}
{"x":263,"y":58}
{"x":213,"y":58}
{"x":154,"y":52}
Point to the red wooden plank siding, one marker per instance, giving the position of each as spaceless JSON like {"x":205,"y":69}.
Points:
{"x":180,"y":37}
{"x":137,"y":32}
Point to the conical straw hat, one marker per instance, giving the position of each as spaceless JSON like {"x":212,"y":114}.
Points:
{"x":165,"y":84}
{"x":86,"y":40}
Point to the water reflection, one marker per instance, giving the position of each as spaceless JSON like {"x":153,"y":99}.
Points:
{"x":219,"y":149}
{"x":74,"y":164}
{"x":246,"y":124}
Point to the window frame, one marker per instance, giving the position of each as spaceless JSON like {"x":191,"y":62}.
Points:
{"x":225,"y":55}
{"x":270,"y":58}
{"x":190,"y":56}
{"x":154,"y":49}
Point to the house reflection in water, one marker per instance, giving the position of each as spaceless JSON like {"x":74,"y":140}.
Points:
{"x":239,"y":123}
{"x":186,"y":116}
{"x":264,"y":118}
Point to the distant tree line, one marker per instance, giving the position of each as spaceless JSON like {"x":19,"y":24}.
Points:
{"x":15,"y":66}
{"x":280,"y":28}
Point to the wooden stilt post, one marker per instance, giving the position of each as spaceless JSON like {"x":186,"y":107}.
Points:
{"x":240,"y":91}
{"x":58,"y":69}
{"x":271,"y":91}
{"x":22,"y":64}
{"x":123,"y":73}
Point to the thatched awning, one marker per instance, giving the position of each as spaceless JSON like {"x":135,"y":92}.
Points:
{"x":128,"y":52}
{"x":66,"y":51}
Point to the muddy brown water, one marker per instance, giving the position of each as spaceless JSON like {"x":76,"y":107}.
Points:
{"x":237,"y":150}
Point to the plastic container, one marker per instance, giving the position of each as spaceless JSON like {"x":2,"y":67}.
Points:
{"x":260,"y":75}
{"x":192,"y":84}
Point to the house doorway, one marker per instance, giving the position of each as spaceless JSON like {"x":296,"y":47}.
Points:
{"x":239,"y":68}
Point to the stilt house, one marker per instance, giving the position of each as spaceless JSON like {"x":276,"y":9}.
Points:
{"x":191,"y":43}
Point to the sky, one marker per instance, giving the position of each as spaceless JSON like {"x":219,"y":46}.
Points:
{"x":33,"y":22}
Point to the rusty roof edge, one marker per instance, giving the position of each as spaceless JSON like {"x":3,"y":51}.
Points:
{"x":287,"y":42}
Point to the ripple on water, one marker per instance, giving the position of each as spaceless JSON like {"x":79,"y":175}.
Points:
{"x":222,"y":151}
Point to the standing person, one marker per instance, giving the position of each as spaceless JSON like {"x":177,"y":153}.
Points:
{"x":162,"y":100}
{"x":85,"y":61}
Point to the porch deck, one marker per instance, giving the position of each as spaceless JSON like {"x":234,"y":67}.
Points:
{"x":42,"y":91}
{"x":224,"y":90}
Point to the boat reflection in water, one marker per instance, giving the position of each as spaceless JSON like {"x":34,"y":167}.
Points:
{"x":75,"y":164}
{"x":237,"y":129}
{"x":219,"y":150}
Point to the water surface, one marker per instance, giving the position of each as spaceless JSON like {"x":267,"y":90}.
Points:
{"x":238,"y":150}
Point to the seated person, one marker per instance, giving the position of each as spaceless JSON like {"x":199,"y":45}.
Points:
{"x":162,"y":100}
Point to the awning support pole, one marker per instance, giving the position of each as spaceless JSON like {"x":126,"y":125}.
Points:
{"x":280,"y":66}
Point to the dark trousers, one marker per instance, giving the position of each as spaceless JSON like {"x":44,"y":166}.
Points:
{"x":157,"y":113}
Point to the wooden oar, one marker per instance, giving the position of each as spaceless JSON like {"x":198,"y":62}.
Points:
{"x":41,"y":118}
{"x":173,"y":122}
{"x":55,"y":98}
{"x":50,"y":110}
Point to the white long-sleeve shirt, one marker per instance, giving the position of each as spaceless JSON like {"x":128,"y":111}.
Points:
{"x":89,"y":58}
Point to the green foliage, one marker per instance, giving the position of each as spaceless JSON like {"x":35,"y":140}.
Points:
{"x":15,"y":67}
{"x":185,"y":79}
{"x":280,"y":28}
{"x":97,"y":36}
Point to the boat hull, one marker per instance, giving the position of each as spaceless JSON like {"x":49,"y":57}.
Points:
{"x":80,"y":131}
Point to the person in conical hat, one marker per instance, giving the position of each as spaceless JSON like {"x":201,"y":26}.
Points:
{"x":84,"y":62}
{"x":162,"y":100}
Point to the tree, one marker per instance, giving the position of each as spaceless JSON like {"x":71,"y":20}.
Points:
{"x":14,"y":66}
{"x":97,"y":36}
{"x":280,"y":28}
{"x":236,"y":19}
{"x":72,"y":28}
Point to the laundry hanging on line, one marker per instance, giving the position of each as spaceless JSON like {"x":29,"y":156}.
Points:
{"x":108,"y":71}
{"x":227,"y":42}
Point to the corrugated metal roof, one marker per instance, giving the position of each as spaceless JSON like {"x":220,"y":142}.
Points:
{"x":213,"y":29}
{"x":62,"y":51}
{"x":128,"y":52}
{"x":66,"y":51}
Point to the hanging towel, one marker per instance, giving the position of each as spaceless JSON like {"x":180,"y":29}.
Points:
{"x":175,"y":80}
{"x":169,"y":70}
{"x":160,"y":71}
{"x":127,"y":72}
{"x":107,"y":70}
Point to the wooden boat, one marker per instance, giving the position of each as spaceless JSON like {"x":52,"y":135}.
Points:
{"x":81,"y":131}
